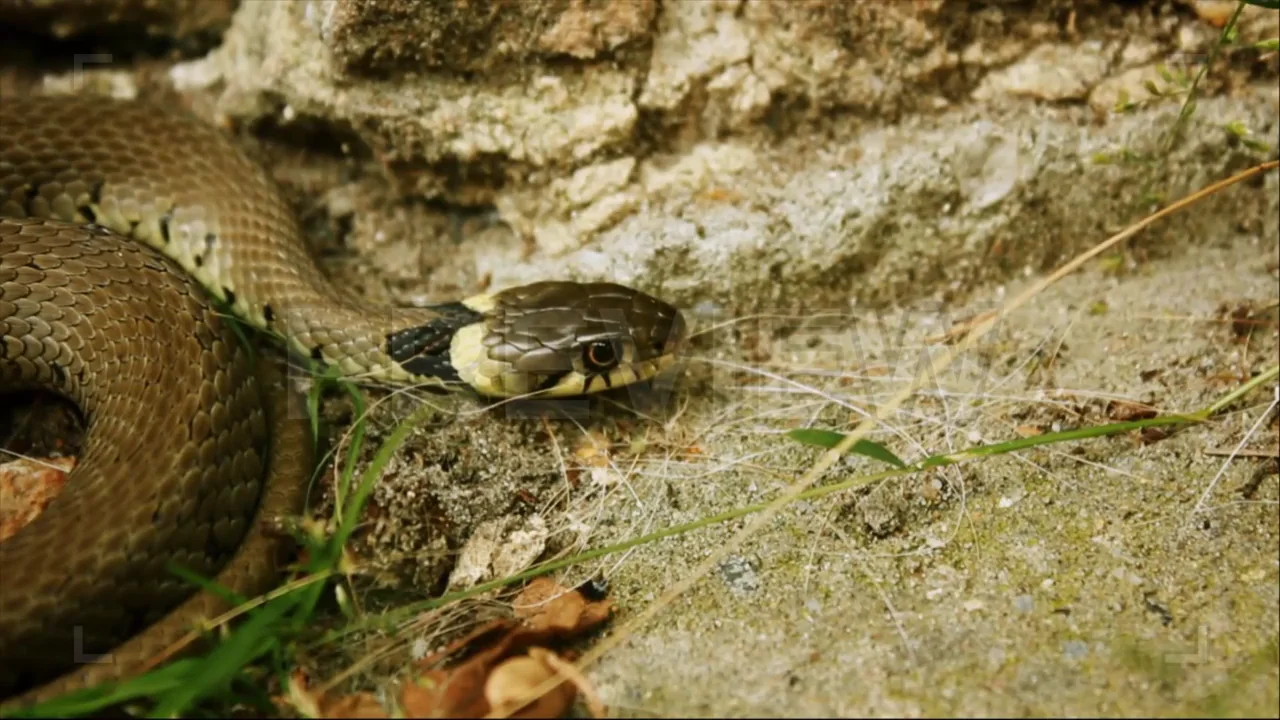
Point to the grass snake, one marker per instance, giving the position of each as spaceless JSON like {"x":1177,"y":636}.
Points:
{"x":189,"y":448}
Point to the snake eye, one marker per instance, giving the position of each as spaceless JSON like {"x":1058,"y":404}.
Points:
{"x":600,"y":356}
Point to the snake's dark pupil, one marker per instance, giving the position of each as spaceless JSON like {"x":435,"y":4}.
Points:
{"x":600,"y":355}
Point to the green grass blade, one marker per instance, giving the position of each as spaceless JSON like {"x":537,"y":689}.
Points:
{"x":206,"y":584}
{"x":216,"y":670}
{"x":95,"y":699}
{"x":829,"y":439}
{"x":357,"y":440}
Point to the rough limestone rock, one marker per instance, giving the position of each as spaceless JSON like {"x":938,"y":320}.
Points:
{"x":754,"y":154}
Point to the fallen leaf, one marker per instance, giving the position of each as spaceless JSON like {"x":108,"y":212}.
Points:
{"x":1125,"y":411}
{"x":516,"y":679}
{"x":595,"y":705}
{"x":458,"y":690}
{"x":27,"y":486}
{"x":301,"y":701}
{"x":1153,"y":435}
{"x":546,"y":605}
{"x":463,"y":646}
{"x":456,"y":693}
{"x":494,"y":668}
{"x":298,"y":697}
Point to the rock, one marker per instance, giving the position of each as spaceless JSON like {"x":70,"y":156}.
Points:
{"x":380,"y":36}
{"x":750,"y":154}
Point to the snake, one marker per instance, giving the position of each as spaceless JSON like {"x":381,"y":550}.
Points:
{"x":136,"y":239}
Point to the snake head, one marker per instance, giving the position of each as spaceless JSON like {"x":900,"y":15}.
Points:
{"x":558,"y":339}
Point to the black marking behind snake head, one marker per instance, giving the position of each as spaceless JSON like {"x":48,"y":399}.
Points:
{"x":424,"y":350}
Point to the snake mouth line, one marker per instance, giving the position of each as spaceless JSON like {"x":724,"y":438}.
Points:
{"x":599,"y":382}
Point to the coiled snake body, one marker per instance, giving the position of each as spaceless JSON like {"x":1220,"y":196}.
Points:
{"x":189,"y":447}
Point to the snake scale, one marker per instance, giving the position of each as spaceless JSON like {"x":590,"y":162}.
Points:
{"x":125,"y":228}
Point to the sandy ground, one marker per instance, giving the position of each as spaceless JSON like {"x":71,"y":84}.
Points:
{"x":1102,"y":577}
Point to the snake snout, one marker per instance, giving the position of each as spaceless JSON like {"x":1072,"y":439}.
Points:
{"x":561,"y":338}
{"x":670,"y":340}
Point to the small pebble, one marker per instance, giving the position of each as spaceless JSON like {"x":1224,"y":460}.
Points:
{"x":738,"y":573}
{"x":1074,"y":650}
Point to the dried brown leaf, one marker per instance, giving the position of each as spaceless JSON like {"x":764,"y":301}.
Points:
{"x":453,"y":693}
{"x":1125,"y":411}
{"x":494,"y":667}
{"x":595,"y":706}
{"x":26,"y":488}
{"x":546,"y":605}
{"x":512,"y":682}
{"x":300,"y":700}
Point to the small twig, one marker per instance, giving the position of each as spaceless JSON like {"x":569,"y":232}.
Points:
{"x":1270,"y":467}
